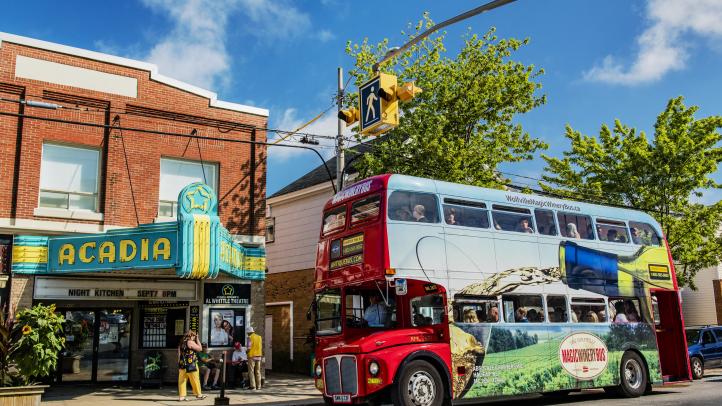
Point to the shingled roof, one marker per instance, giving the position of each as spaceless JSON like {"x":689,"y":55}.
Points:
{"x":319,"y":175}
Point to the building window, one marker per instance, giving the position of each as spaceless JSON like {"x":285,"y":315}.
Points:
{"x":69,"y":178}
{"x":175,"y":174}
{"x":270,"y":229}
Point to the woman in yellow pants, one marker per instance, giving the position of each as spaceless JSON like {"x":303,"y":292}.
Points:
{"x":188,"y":365}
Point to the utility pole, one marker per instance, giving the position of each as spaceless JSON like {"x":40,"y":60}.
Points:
{"x":340,"y":159}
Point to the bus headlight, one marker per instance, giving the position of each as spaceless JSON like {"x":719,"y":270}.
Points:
{"x":374,"y":368}
{"x":318,"y":371}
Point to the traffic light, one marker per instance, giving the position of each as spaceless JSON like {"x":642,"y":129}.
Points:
{"x":407,"y":91}
{"x":349,"y":116}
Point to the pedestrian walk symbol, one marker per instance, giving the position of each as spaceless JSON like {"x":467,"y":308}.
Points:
{"x":370,"y":103}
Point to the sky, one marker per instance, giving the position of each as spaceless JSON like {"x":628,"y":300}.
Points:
{"x":604,"y":60}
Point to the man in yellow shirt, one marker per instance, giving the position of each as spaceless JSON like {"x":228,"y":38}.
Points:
{"x":255,"y":352}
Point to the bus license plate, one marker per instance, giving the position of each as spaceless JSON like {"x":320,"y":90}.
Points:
{"x":342,"y":398}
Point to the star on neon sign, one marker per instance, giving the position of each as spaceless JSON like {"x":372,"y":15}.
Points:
{"x":199,"y":198}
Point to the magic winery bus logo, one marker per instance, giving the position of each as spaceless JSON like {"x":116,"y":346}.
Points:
{"x":583,"y":355}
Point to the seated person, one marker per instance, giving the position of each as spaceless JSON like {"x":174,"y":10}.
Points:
{"x":612,"y":235}
{"x":239,"y":363}
{"x":451,"y":217}
{"x":620,"y":317}
{"x":591,"y":317}
{"x":493,"y":315}
{"x":470,"y":316}
{"x":636,"y":236}
{"x":524,"y":226}
{"x":419,"y":214}
{"x":375,"y":314}
{"x":402,"y":214}
{"x":420,"y":320}
{"x":520,"y":315}
{"x":572,"y":231}
{"x":206,"y":365}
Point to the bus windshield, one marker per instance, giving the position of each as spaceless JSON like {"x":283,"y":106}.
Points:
{"x":328,"y":312}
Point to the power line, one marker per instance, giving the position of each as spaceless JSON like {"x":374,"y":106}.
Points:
{"x":191,"y":136}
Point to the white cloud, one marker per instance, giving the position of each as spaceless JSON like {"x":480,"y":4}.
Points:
{"x":663,"y":46}
{"x":195,"y":49}
{"x":325,"y":36}
{"x":326,"y":125}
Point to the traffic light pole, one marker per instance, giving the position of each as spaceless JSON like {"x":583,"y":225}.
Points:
{"x":481,"y":9}
{"x":340,"y":159}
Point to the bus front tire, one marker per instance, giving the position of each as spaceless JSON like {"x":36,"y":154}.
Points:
{"x":697,"y":367}
{"x":419,"y":384}
{"x":632,"y":376}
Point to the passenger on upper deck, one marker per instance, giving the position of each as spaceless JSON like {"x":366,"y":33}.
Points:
{"x":419,"y":214}
{"x":524,"y":226}
{"x":451,"y":216}
{"x":493,"y":315}
{"x":572,"y":231}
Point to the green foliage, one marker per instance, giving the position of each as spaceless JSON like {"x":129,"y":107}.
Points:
{"x":36,"y":342}
{"x":461,"y":127}
{"x":621,"y":166}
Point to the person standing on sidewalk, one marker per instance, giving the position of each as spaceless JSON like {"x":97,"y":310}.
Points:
{"x":255,"y":352}
{"x":188,"y":365}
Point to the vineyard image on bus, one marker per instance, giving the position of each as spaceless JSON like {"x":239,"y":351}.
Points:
{"x":429,"y":292}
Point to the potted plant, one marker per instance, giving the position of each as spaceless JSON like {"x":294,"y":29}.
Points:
{"x":29,"y":347}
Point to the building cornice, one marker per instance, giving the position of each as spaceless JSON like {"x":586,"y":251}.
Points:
{"x":135,"y":64}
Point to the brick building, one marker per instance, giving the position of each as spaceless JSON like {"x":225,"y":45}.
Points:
{"x":94,"y":143}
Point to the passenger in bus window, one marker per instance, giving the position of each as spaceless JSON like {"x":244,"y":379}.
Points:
{"x":576,"y":315}
{"x":535,"y":316}
{"x":636,"y":236}
{"x":402,"y":214}
{"x":631,"y":311}
{"x":572,"y":231}
{"x":419,"y":214}
{"x":591,"y":317}
{"x":470,"y":316}
{"x":451,"y":216}
{"x":602,"y":316}
{"x":493,"y":315}
{"x":524,"y":227}
{"x":520,"y":315}
{"x":620,"y":317}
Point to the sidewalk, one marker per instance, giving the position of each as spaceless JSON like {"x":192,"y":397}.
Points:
{"x":280,"y":389}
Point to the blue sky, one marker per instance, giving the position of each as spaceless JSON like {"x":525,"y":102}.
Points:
{"x":603,"y":59}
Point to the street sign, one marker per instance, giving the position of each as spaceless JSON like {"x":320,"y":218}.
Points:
{"x":370,"y":103}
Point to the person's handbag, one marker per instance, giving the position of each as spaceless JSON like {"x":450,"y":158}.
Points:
{"x":189,"y":362}
{"x":191,"y":367}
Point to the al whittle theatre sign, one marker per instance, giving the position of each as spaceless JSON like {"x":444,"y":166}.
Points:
{"x":196,"y":245}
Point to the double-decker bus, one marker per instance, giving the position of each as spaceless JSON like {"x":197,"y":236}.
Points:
{"x":429,"y":292}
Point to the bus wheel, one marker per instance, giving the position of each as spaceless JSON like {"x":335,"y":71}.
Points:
{"x":419,"y":385}
{"x":697,"y":367}
{"x":633,"y":376}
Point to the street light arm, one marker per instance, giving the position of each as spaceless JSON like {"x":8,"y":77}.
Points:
{"x":481,"y":9}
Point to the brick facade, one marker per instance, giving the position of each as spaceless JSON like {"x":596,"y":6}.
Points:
{"x":295,"y":286}
{"x":143,"y":150}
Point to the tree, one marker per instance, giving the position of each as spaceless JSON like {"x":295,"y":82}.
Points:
{"x":461,"y":127}
{"x":662,"y":177}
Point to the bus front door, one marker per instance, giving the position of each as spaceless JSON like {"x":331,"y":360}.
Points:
{"x":671,"y":340}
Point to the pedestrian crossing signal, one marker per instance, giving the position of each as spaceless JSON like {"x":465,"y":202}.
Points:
{"x":349,"y":116}
{"x":379,"y":105}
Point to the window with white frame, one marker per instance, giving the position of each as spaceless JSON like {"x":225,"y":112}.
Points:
{"x":69,"y":178}
{"x":175,"y":174}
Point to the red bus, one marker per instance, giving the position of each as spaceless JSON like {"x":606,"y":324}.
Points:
{"x":429,"y":292}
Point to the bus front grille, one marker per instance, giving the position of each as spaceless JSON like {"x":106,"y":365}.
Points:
{"x":340,"y":378}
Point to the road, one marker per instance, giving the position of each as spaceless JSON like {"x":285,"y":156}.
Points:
{"x":707,"y":391}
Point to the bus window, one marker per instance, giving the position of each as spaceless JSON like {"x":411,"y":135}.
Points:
{"x":465,"y":213}
{"x":624,"y":310}
{"x":328,"y":312}
{"x":612,"y":231}
{"x":334,"y":220}
{"x":507,"y":218}
{"x":545,"y":222}
{"x":523,"y":309}
{"x":365,"y":209}
{"x":575,"y":226}
{"x":414,"y":207}
{"x":557,"y":309}
{"x":476,"y":310}
{"x":427,"y":310}
{"x":644,"y":234}
{"x":588,"y":310}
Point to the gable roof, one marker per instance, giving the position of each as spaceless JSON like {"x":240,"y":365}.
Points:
{"x":318,"y":175}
